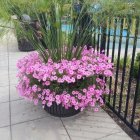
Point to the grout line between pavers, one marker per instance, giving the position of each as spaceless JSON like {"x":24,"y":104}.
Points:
{"x":10,"y":101}
{"x":12,"y":84}
{"x":30,"y":120}
{"x":108,"y":135}
{"x":65,"y":129}
{"x":4,"y":85}
{"x":9,"y":91}
{"x":25,"y":121}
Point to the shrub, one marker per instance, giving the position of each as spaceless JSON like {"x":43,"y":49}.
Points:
{"x":135,"y":69}
{"x":138,"y":57}
{"x":136,"y":66}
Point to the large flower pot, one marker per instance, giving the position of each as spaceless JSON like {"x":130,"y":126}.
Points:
{"x":60,"y":111}
{"x":24,"y":45}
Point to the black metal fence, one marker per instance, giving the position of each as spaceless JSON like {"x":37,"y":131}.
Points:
{"x":121,"y":41}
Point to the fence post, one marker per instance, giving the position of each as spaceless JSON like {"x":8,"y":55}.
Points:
{"x":103,"y":38}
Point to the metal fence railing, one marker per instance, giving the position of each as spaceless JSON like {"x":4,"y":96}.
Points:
{"x":120,"y":40}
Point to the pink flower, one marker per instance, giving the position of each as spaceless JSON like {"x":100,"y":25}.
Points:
{"x":47,"y":83}
{"x":48,"y":91}
{"x":73,"y":79}
{"x":53,"y":73}
{"x":79,"y":76}
{"x":76,"y":107}
{"x":39,"y":89}
{"x":35,"y":101}
{"x":84,"y":90}
{"x":49,"y":104}
{"x":59,"y":80}
{"x":39,"y":96}
{"x":92,"y":104}
{"x":83,"y":97}
{"x":34,"y":88}
{"x":57,"y":97}
{"x":60,"y":71}
{"x":43,"y":102}
{"x":71,"y":72}
{"x":55,"y":77}
{"x":58,"y":102}
{"x":47,"y":98}
{"x":96,"y":109}
{"x":91,"y":89}
{"x":108,"y":73}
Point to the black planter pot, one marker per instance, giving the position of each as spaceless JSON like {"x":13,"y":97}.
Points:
{"x":24,"y":45}
{"x":60,"y":111}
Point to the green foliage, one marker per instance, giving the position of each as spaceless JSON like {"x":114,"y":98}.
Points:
{"x":135,"y":69}
{"x":128,"y":64}
{"x":138,"y":57}
{"x":50,"y":14}
{"x":136,"y":66}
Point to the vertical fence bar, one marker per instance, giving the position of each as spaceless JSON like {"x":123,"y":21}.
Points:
{"x":124,"y":64}
{"x":139,"y":129}
{"x":94,"y":38}
{"x":98,"y":36}
{"x":118,"y":63}
{"x":108,"y":40}
{"x":136,"y":96}
{"x":112,"y":57}
{"x":103,"y":38}
{"x":114,"y":39}
{"x":132,"y":65}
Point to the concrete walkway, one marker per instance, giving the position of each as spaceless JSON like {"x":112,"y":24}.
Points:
{"x":21,"y":120}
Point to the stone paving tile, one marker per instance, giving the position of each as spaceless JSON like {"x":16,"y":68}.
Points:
{"x":84,"y":134}
{"x":13,"y":69}
{"x":3,"y":55}
{"x":4,"y":114}
{"x":4,"y":68}
{"x":13,"y":78}
{"x":4,"y":78}
{"x":4,"y":94}
{"x":3,"y":62}
{"x":22,"y":110}
{"x":3,"y":48}
{"x":49,"y":128}
{"x":91,"y":125}
{"x":112,"y":137}
{"x":14,"y":93}
{"x":80,"y":138}
{"x":115,"y":137}
{"x":13,"y":62}
{"x":5,"y":133}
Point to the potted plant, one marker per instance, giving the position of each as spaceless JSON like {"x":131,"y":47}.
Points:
{"x":66,"y":86}
{"x":64,"y":78}
{"x":23,"y":43}
{"x":22,"y":20}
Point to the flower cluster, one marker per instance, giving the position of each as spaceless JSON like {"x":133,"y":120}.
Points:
{"x":68,"y":82}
